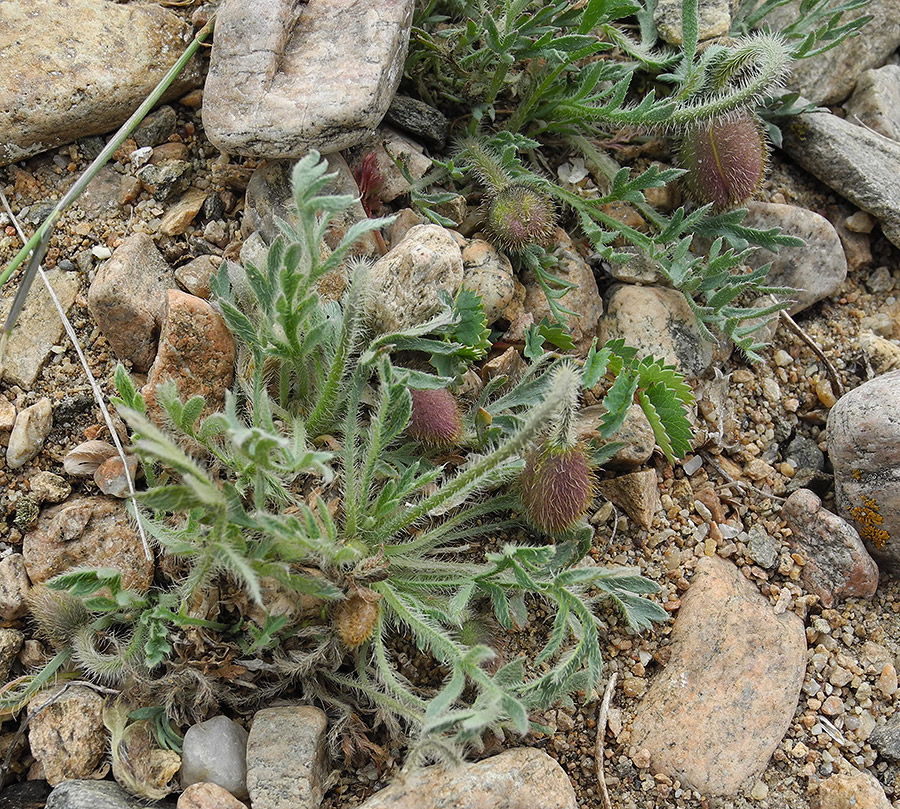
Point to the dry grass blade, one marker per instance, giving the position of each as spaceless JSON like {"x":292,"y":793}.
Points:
{"x":602,"y":718}
{"x":95,"y":388}
{"x":829,"y":368}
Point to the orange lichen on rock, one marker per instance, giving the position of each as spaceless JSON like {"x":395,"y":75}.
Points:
{"x":869,"y":518}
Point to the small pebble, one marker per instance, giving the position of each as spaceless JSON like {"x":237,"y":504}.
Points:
{"x":781,"y":358}
{"x":641,"y":758}
{"x":825,"y":393}
{"x":30,"y":431}
{"x":692,"y":466}
{"x":101,"y":252}
{"x":49,"y":488}
{"x":860,"y":222}
{"x":833,"y":706}
{"x":140,"y":157}
{"x":887,"y":681}
{"x":759,"y":792}
{"x":208,"y":796}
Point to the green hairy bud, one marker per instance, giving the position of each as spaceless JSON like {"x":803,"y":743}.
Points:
{"x":519,"y":215}
{"x":59,"y":615}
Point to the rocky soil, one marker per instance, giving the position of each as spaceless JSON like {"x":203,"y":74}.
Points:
{"x":775,"y":683}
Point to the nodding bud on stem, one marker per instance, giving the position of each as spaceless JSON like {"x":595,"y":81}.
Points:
{"x":556,"y":486}
{"x":520,"y":214}
{"x":435,"y":419}
{"x":725,"y":159}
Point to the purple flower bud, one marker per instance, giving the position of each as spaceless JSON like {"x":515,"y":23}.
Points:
{"x":435,"y":419}
{"x":725,"y":159}
{"x":556,"y":487}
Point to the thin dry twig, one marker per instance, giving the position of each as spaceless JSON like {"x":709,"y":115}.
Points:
{"x":95,"y":388}
{"x":739,"y":483}
{"x":602,"y":719}
{"x":829,"y":368}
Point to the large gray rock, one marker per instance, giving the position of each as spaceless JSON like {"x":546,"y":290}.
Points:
{"x":81,"y":68}
{"x":38,"y":328}
{"x":522,"y":778}
{"x":864,"y":447}
{"x":861,"y":166}
{"x":286,"y":77}
{"x":287,"y":765}
{"x":127,"y":299}
{"x":97,"y":795}
{"x":658,"y":322}
{"x":829,"y":77}
{"x":816,"y":269}
{"x":713,"y":717}
{"x":875,"y":102}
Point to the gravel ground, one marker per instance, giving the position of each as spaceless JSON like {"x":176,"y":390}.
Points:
{"x":756,"y":410}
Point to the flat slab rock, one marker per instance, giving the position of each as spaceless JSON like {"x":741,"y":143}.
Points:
{"x":523,"y":778}
{"x":862,"y":166}
{"x":714,"y":716}
{"x":87,"y":66}
{"x":287,"y":76}
{"x":38,"y":328}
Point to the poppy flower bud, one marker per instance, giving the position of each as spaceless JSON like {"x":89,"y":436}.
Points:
{"x":556,"y":487}
{"x":435,"y":419}
{"x":725,"y":159}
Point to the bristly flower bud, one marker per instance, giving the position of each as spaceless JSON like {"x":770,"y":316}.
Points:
{"x":435,"y":419}
{"x":518,"y":214}
{"x":556,"y":486}
{"x":725,"y":159}
{"x":58,"y":615}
